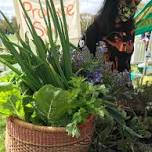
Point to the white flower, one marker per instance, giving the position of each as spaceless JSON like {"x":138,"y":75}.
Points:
{"x":81,"y":43}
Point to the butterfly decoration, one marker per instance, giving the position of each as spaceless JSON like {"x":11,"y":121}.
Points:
{"x":127,"y":9}
{"x":116,"y":39}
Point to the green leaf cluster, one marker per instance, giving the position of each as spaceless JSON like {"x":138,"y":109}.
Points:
{"x":45,"y":91}
{"x":40,"y":62}
{"x":68,"y":108}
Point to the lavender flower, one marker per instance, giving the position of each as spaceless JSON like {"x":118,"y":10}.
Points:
{"x":95,"y":77}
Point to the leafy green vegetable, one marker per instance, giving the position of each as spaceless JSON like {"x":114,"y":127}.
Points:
{"x":10,"y":102}
{"x":52,"y":103}
{"x":46,"y":91}
{"x":36,"y":69}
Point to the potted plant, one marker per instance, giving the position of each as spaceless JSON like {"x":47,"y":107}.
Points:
{"x":47,"y":92}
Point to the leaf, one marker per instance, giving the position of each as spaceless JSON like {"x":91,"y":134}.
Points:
{"x":10,"y":99}
{"x":132,"y":132}
{"x":27,"y":103}
{"x":73,"y":130}
{"x":9,"y":58}
{"x":64,"y":39}
{"x":78,"y":118}
{"x":10,"y":66}
{"x":116,"y":115}
{"x":36,"y":71}
{"x":52,"y":103}
{"x":6,"y":86}
{"x":13,"y":106}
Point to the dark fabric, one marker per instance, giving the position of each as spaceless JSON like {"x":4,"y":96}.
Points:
{"x":125,"y":31}
{"x":92,"y":37}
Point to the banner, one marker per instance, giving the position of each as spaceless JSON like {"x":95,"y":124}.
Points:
{"x":144,"y":19}
{"x":32,"y":7}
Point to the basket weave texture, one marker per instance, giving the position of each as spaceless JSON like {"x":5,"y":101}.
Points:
{"x":25,"y":137}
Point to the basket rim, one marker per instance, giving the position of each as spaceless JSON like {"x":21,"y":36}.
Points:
{"x":35,"y":127}
{"x":17,"y":121}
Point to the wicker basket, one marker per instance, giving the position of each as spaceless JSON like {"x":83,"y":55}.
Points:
{"x":26,"y":137}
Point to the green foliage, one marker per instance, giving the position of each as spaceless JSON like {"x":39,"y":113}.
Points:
{"x":10,"y":99}
{"x":71,"y":106}
{"x":8,"y":102}
{"x":135,"y":136}
{"x":39,"y":65}
{"x":45,"y":91}
{"x":56,"y":104}
{"x":6,"y":76}
{"x":109,"y":136}
{"x":37,"y":69}
{"x":2,"y":133}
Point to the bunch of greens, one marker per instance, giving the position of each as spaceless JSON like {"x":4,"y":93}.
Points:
{"x":109,"y":137}
{"x":9,"y":94}
{"x":136,"y":104}
{"x":40,"y":63}
{"x":45,"y":90}
{"x":41,"y":74}
{"x":52,"y":106}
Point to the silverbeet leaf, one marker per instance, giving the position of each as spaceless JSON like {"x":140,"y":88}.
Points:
{"x":52,"y":103}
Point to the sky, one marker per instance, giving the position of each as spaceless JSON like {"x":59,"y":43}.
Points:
{"x":86,"y":6}
{"x":90,"y":6}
